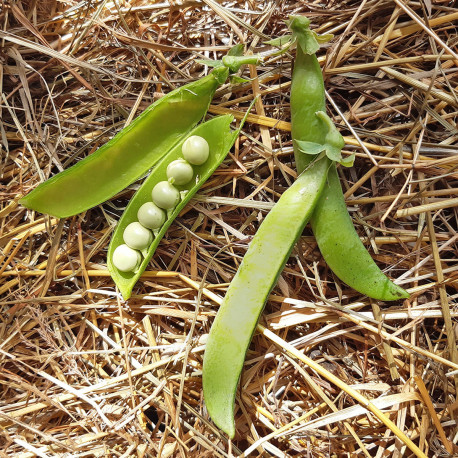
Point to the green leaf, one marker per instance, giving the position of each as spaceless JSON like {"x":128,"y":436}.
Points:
{"x":280,"y":41}
{"x":311,"y":148}
{"x":332,"y":145}
{"x":333,"y":140}
{"x":323,"y":38}
{"x":298,"y":24}
{"x":234,"y":79}
{"x":305,"y":38}
{"x":307,"y":42}
{"x":210,"y":62}
{"x":285,"y":48}
{"x":333,"y":136}
{"x":236,"y":50}
{"x":333,"y":153}
{"x":348,"y":161}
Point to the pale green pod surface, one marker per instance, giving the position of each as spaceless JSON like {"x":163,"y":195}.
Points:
{"x":343,"y":250}
{"x":238,"y":315}
{"x":220,"y":137}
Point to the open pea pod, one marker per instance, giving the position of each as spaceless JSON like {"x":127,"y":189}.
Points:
{"x":129,"y":154}
{"x":220,"y":138}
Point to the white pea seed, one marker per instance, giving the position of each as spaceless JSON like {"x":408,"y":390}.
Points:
{"x":165,"y":195}
{"x":137,"y":236}
{"x":151,"y":216}
{"x":179,"y":172}
{"x":126,"y":259}
{"x":195,"y":150}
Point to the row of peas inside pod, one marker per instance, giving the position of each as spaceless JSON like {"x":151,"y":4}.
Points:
{"x":138,"y":235}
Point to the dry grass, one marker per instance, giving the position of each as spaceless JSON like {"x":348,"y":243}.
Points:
{"x":84,"y":374}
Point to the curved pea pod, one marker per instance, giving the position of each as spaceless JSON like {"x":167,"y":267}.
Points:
{"x":232,"y":330}
{"x":342,"y":248}
{"x":220,"y":139}
{"x":129,"y":154}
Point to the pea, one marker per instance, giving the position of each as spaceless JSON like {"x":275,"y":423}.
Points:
{"x":151,"y":216}
{"x":125,"y":258}
{"x":195,"y":150}
{"x":180,"y":172}
{"x":165,"y":195}
{"x":137,"y":236}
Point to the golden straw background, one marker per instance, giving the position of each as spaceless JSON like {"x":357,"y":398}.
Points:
{"x":329,"y":373}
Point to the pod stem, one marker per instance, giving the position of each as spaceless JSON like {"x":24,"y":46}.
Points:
{"x":233,"y":63}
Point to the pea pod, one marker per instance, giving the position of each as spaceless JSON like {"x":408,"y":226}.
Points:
{"x":129,"y":154}
{"x":342,"y":248}
{"x":232,"y":330}
{"x":336,"y":236}
{"x":307,"y":98}
{"x":267,"y":254}
{"x":220,"y":139}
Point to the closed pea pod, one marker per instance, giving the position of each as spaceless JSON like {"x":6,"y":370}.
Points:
{"x":220,"y":138}
{"x":307,"y":98}
{"x":129,"y":154}
{"x":232,"y":330}
{"x":266,"y":257}
{"x":342,"y":248}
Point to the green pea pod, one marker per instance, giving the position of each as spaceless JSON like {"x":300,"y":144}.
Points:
{"x":233,"y":328}
{"x":336,"y":236}
{"x":220,"y":139}
{"x":129,"y":154}
{"x":343,"y":250}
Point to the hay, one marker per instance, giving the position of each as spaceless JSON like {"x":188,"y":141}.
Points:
{"x":329,"y":372}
